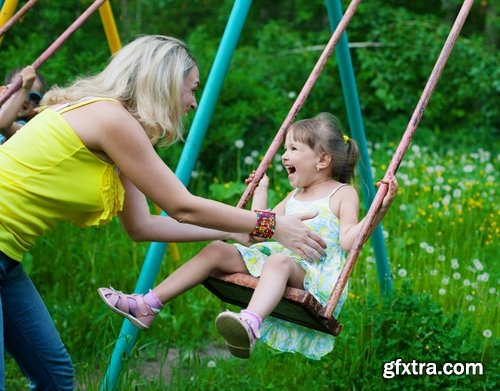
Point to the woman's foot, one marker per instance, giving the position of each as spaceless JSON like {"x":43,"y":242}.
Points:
{"x":133,"y":307}
{"x":239,"y":336}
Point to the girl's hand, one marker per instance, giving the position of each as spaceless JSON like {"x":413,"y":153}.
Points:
{"x":263,"y":183}
{"x":391,"y":193}
{"x":28,"y":74}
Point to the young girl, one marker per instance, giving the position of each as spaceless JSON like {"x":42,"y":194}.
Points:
{"x":88,"y":156}
{"x":22,"y":105}
{"x":320,"y":162}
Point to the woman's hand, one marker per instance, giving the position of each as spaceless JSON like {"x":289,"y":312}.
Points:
{"x":292,"y":233}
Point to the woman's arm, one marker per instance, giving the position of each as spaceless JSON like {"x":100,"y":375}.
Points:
{"x":141,"y":225}
{"x":108,"y":127}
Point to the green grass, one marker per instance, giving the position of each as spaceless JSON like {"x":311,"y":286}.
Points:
{"x":441,"y":235}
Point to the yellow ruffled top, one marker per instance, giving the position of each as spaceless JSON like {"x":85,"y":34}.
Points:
{"x":48,"y":175}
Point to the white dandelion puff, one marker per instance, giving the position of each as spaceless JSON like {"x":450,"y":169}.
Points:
{"x":239,"y":144}
{"x":483,"y":277}
{"x":477,"y":264}
{"x":211,"y":364}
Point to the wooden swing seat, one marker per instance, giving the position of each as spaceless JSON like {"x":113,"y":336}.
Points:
{"x":297,"y":306}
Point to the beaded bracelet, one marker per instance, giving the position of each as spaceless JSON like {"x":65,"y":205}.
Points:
{"x":266,"y":224}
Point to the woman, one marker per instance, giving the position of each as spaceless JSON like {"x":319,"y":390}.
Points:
{"x":88,"y":156}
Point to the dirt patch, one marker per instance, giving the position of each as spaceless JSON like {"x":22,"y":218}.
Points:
{"x":161,"y":367}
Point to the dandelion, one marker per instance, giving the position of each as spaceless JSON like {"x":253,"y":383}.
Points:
{"x":468,"y":297}
{"x":248,"y":160}
{"x":277,"y":157}
{"x":402,"y":273}
{"x":466,"y":282}
{"x":411,"y":164}
{"x":456,"y":276}
{"x":468,"y":168}
{"x":433,"y":272}
{"x":477,"y":264}
{"x":442,"y":291}
{"x":441,"y":258}
{"x":211,"y":364}
{"x":471,"y":269}
{"x":254,"y":153}
{"x":457,"y":193}
{"x":472,"y":308}
{"x":385,"y":234}
{"x":279,"y":168}
{"x":195,"y":174}
{"x":292,"y":94}
{"x":454,"y":263}
{"x":446,"y":200}
{"x":492,"y":290}
{"x":440,"y":180}
{"x":483,"y":277}
{"x":445,"y":280}
{"x":487,"y":333}
{"x":402,"y":207}
{"x":239,"y":144}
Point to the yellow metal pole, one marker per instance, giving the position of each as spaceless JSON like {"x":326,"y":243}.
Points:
{"x":7,"y":11}
{"x":108,"y":22}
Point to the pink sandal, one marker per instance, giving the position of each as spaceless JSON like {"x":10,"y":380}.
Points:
{"x":118,"y":302}
{"x":240,"y":338}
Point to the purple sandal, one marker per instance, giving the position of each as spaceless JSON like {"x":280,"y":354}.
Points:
{"x":118,"y":302}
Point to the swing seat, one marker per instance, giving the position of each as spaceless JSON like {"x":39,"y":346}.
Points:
{"x":297,"y":306}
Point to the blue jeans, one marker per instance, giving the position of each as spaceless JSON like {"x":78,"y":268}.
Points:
{"x":28,"y":333}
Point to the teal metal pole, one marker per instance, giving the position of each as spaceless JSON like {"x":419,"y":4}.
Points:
{"x":355,"y":119}
{"x":128,"y":334}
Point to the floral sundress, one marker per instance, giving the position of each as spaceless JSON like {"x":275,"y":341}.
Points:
{"x":319,"y":279}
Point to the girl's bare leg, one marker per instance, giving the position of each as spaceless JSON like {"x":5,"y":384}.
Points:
{"x":217,"y":256}
{"x":278,"y":272}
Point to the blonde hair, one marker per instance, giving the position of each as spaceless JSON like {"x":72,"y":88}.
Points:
{"x":323,"y":133}
{"x":147,"y":77}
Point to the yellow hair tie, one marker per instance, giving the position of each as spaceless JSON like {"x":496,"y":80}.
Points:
{"x":346,"y":139}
